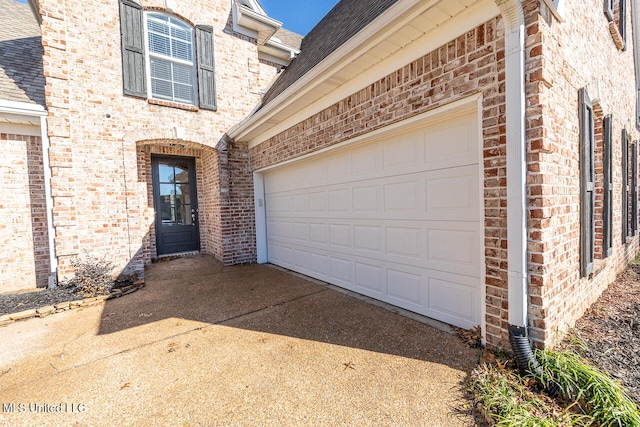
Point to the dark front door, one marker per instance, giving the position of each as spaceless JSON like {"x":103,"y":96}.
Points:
{"x":176,"y":204}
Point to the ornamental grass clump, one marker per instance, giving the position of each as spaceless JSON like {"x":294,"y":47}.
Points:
{"x":509,"y":400}
{"x":599,"y":396}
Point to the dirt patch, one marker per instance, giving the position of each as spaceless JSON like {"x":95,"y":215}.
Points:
{"x":610,"y":330}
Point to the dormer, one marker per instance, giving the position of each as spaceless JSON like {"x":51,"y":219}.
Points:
{"x":250,"y":19}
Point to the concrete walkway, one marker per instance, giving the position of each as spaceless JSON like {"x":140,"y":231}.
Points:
{"x":205,"y":345}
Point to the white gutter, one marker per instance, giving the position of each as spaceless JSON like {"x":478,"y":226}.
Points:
{"x":635,"y":23}
{"x":399,"y":13}
{"x":513,"y":16}
{"x":34,"y":112}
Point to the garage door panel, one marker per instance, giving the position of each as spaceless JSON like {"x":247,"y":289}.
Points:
{"x":455,"y":297}
{"x":366,"y":161}
{"x":318,"y":233}
{"x":453,"y":194}
{"x":370,"y":278}
{"x":397,"y":219}
{"x":404,"y":241}
{"x":367,"y":199}
{"x":369,"y":238}
{"x":339,"y":200}
{"x":438,"y":245}
{"x":406,"y":286}
{"x":451,"y":143}
{"x":405,"y":150}
{"x":340,"y":235}
{"x":342,"y":271}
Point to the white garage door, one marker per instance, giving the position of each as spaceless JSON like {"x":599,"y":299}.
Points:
{"x":397,"y":219}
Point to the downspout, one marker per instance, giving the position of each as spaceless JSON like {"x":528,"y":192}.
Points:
{"x":513,"y":16}
{"x":51,"y":230}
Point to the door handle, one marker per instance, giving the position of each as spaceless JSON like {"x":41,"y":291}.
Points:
{"x":193,"y":217}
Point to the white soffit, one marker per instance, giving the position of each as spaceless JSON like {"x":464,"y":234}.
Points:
{"x":409,"y":31}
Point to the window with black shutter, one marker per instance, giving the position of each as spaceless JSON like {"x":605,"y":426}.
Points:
{"x":165,"y":58}
{"x":607,"y":211}
{"x":133,"y":57}
{"x":622,"y":21}
{"x":206,"y":67}
{"x":634,"y":188}
{"x":587,"y":184}
{"x":625,"y":186}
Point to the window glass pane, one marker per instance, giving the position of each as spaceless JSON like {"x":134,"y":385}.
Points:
{"x":158,"y":23}
{"x":168,"y":190}
{"x":180,"y":31}
{"x":181,"y":50}
{"x":159,"y":44}
{"x":183,"y":189}
{"x":183,"y":74}
{"x":165,"y":173}
{"x":167,"y":210}
{"x":183,"y":215}
{"x":183,"y":93}
{"x":181,"y":175}
{"x":173,"y":40}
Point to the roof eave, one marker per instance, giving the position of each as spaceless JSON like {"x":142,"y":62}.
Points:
{"x":263,"y":25}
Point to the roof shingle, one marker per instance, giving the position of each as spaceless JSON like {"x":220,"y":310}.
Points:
{"x":344,"y":21}
{"x":21,"y":75}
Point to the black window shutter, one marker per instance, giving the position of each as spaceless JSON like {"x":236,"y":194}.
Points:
{"x":634,"y":188}
{"x":607,"y":212}
{"x":206,"y":67}
{"x":625,"y":186}
{"x":587,"y":181}
{"x":132,"y":36}
{"x":622,"y":23}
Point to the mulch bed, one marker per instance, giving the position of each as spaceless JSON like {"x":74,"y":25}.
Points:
{"x":610,"y":330}
{"x":13,"y":303}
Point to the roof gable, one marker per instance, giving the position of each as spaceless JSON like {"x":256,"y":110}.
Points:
{"x":342,"y":22}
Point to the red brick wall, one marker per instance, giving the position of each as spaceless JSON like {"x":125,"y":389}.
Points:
{"x":101,"y":182}
{"x":565,"y":57}
{"x":24,"y":238}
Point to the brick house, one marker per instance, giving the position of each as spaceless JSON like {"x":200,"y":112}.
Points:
{"x":474,"y":161}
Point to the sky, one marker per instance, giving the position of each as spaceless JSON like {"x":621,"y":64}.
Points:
{"x":299,"y":16}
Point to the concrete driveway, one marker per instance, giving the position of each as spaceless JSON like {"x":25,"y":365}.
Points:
{"x":252,"y":345}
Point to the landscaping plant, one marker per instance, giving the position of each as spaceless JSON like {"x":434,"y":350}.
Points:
{"x":91,"y":277}
{"x":599,"y":395}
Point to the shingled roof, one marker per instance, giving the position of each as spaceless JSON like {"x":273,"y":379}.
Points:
{"x":21,"y":75}
{"x":342,"y":22}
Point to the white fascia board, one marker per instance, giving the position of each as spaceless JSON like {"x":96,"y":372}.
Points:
{"x":266,"y":55}
{"x":479,"y":13}
{"x":279,"y":50}
{"x":262,"y":26}
{"x":30,"y":129}
{"x":21,"y":108}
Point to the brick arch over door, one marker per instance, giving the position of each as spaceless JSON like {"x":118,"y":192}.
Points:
{"x":207,"y":184}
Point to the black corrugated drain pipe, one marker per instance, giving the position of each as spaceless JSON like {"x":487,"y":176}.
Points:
{"x":522,"y":350}
{"x":526,"y":360}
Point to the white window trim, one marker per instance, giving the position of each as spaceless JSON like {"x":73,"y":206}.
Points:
{"x":148,"y":55}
